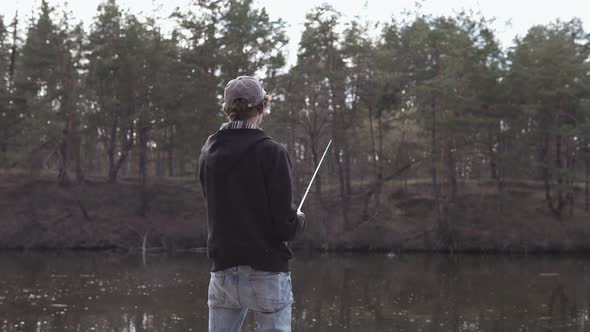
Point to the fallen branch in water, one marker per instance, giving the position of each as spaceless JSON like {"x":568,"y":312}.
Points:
{"x":143,"y":237}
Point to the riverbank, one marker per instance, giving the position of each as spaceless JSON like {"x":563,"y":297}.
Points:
{"x":37,"y":214}
{"x":98,"y":215}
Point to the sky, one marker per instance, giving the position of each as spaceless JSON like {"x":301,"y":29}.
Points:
{"x":512,"y":17}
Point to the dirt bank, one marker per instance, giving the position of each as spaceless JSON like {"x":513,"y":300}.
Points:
{"x":97,"y":215}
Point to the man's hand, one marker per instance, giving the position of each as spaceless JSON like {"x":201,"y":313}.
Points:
{"x":300,"y":222}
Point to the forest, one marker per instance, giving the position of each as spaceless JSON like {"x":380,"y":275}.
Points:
{"x":443,"y":138}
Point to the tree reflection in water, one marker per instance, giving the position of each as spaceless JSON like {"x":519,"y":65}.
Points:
{"x":110,"y":292}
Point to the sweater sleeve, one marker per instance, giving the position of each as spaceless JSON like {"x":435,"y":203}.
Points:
{"x":286,"y":223}
{"x":202,"y":176}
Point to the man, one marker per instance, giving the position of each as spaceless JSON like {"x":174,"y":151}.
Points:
{"x":246,"y":182}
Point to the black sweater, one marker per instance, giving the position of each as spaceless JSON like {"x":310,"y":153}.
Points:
{"x":246,"y":182}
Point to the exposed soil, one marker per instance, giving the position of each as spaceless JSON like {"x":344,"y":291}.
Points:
{"x":37,"y":214}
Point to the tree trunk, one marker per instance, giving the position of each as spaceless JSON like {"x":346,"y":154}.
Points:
{"x":76,"y":150}
{"x":316,"y":160}
{"x":553,"y":168}
{"x":570,"y":165}
{"x":341,"y":183}
{"x":13,"y":50}
{"x":587,"y":177}
{"x":500,"y":171}
{"x":73,"y":137}
{"x":67,"y":109}
{"x":160,"y":162}
{"x":338,"y":136}
{"x":126,"y":145}
{"x":346,"y":158}
{"x":293,"y":152}
{"x":4,"y":152}
{"x":92,"y":161}
{"x":547,"y":174}
{"x":171,"y":149}
{"x":143,"y":140}
{"x":10,"y":90}
{"x":111,"y":150}
{"x":561,"y":202}
{"x":347,"y":171}
{"x":559,"y":174}
{"x":451,"y":166}
{"x":373,"y":148}
{"x":379,"y":157}
{"x":338,"y":123}
{"x":63,"y":179}
{"x":492,"y":155}
{"x":433,"y":156}
{"x":292,"y":139}
{"x":375,"y":189}
{"x":180,"y":163}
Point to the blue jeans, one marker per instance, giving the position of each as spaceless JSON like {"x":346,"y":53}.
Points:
{"x":234,"y":291}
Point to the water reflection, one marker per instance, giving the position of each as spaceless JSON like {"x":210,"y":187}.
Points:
{"x":110,"y":292}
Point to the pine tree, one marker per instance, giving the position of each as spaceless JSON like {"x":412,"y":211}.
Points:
{"x":4,"y":92}
{"x":112,"y":112}
{"x":548,"y":83}
{"x":37,"y":86}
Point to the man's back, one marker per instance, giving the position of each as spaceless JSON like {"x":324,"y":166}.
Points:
{"x":246,"y":181}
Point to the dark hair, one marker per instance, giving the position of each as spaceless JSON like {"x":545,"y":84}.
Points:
{"x":239,"y":109}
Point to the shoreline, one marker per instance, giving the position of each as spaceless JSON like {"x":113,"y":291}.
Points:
{"x":96,"y":216}
{"x":301,"y":251}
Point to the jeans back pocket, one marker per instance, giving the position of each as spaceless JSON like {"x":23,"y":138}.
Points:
{"x":272,"y":291}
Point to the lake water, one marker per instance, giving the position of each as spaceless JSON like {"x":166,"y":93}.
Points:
{"x":113,"y":292}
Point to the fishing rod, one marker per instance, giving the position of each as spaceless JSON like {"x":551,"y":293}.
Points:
{"x":313,"y":177}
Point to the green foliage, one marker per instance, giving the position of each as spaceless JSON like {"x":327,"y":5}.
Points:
{"x":5,"y":114}
{"x":38,"y":85}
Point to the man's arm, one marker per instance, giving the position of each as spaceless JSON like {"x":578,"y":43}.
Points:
{"x":202,"y":175}
{"x":287,"y":223}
